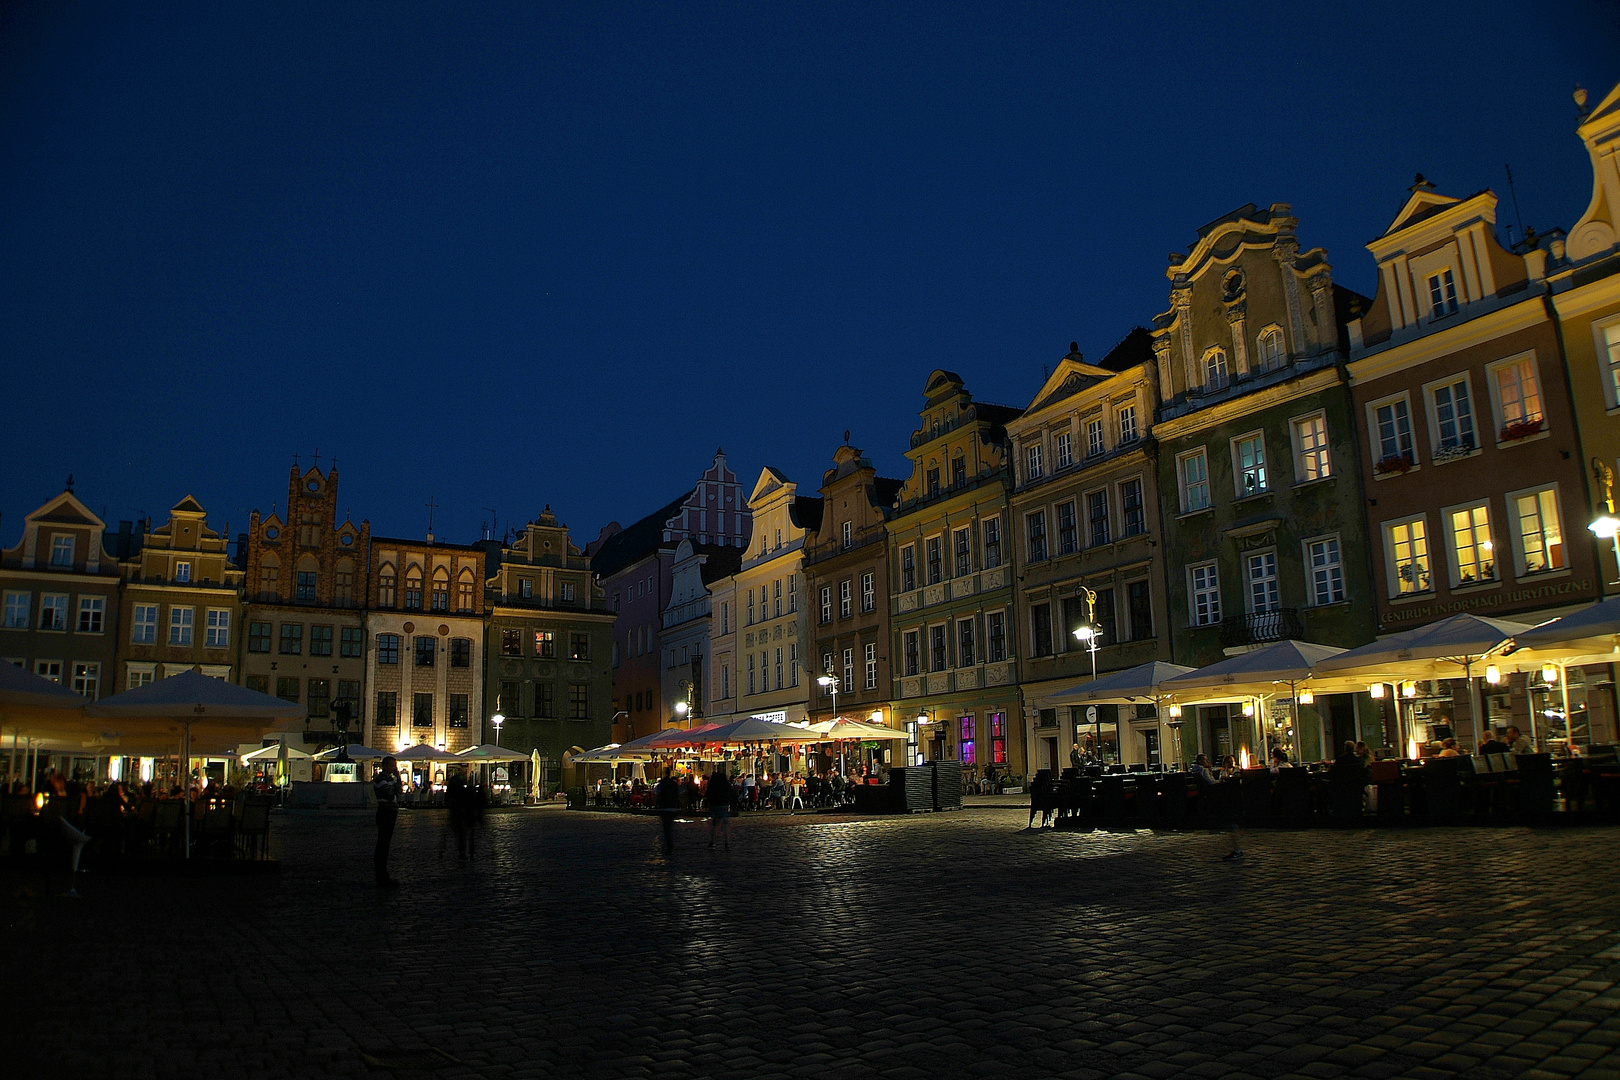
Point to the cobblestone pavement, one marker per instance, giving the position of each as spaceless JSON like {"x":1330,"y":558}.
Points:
{"x":935,"y":946}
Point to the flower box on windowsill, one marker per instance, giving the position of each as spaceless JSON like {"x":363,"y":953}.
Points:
{"x":1395,"y":464}
{"x":1455,"y":452}
{"x":1522,"y":430}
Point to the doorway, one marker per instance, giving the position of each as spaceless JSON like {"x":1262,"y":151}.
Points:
{"x":1341,"y":722}
{"x":1218,"y":729}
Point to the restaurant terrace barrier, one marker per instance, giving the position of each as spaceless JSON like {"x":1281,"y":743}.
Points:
{"x":1501,"y":788}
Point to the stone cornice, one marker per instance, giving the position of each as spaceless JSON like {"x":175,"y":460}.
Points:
{"x":1245,"y":404}
{"x":1389,"y":359}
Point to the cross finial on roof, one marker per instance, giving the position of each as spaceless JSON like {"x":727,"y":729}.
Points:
{"x":317,"y":457}
{"x":70,"y":484}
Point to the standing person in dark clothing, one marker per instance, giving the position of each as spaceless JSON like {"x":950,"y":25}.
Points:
{"x":386,"y":786}
{"x":458,"y":804}
{"x":720,"y":797}
{"x":667,"y":798}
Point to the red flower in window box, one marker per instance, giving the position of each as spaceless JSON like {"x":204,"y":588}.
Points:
{"x":1395,"y":463}
{"x":1522,"y":429}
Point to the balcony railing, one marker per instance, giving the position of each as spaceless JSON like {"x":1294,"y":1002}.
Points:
{"x":1260,"y":627}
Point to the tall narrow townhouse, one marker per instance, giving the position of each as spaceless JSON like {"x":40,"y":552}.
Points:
{"x":182,"y":602}
{"x":847,"y":580}
{"x":952,"y":609}
{"x":425,"y":647}
{"x":687,"y":622}
{"x":635,"y":567}
{"x":60,"y":590}
{"x":771,"y":640}
{"x":1259,"y":475}
{"x":307,"y":578}
{"x":1475,"y":486}
{"x":1091,"y":595}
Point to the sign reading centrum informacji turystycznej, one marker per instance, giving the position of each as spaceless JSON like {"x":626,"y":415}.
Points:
{"x":1491,"y":599}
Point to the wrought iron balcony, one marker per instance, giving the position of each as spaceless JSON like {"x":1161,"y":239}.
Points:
{"x":1261,"y":627}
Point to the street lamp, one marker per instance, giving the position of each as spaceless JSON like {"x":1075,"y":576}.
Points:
{"x":496,"y":721}
{"x":681,"y":709}
{"x":829,"y":682}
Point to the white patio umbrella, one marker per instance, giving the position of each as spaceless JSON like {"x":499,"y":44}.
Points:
{"x":356,"y":752}
{"x":1142,"y":684}
{"x":1446,"y":649}
{"x":1588,"y":636}
{"x":490,"y":752}
{"x":196,"y":706}
{"x":424,"y":752}
{"x":35,"y":708}
{"x":272,"y":753}
{"x":1260,"y":673}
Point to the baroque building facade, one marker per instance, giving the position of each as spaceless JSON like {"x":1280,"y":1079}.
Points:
{"x":954,"y":630}
{"x":306,"y":583}
{"x":1085,"y":505}
{"x":1259,"y":470}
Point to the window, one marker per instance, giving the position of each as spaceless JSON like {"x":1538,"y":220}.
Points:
{"x":998,"y":738}
{"x":908,"y":568}
{"x":526,"y":588}
{"x":1392,"y":432}
{"x":1249,"y":464}
{"x":848,"y":530}
{"x":1062,"y":450}
{"x":1032,"y":461}
{"x":426,"y":651}
{"x":53,"y":612}
{"x":1472,"y":560}
{"x":992,"y":542}
{"x":579,"y":646}
{"x":565,"y":593}
{"x":933,"y":483}
{"x":87,"y":679}
{"x":1311,"y":461}
{"x":1130,"y":503}
{"x":995,"y":632}
{"x":1097,"y":516}
{"x":292,"y":639}
{"x":793,"y":593}
{"x":145,"y":630}
{"x":966,"y":652}
{"x":868,"y":591}
{"x":348,"y":695}
{"x":1326,"y":570}
{"x":181,"y":620}
{"x":1442,"y":295}
{"x":304,"y":588}
{"x":1204,"y":594}
{"x":352,"y":642}
{"x":1518,"y":396}
{"x":344,"y":593}
{"x":460,"y":652}
{"x":1406,"y":548}
{"x":17,"y":610}
{"x":422,"y":710}
{"x":913,"y":661}
{"x":460,"y":712}
{"x":1068,"y":531}
{"x":871,"y":665}
{"x":320,"y":641}
{"x":217,"y":632}
{"x":1609,"y":356}
{"x":1215,"y":373}
{"x":849,"y":670}
{"x":49,"y":669}
{"x":1040,"y":627}
{"x":1540,"y":539}
{"x":725,"y":680}
{"x":1094,"y":437}
{"x":751,"y":688}
{"x":826,"y":603}
{"x":257,"y":683}
{"x":1125,"y":418}
{"x":1073,"y":614}
{"x":287,"y":688}
{"x":959,"y":471}
{"x":967,"y":741}
{"x":1261,"y":568}
{"x":92,"y":613}
{"x":545,"y":644}
{"x":725,"y":617}
{"x":846,"y":600}
{"x":318,"y":699}
{"x":962,"y":542}
{"x":545,"y":700}
{"x":1193,"y":470}
{"x":511,"y":642}
{"x":578,"y":702}
{"x":62,"y":550}
{"x":750,"y":621}
{"x":413,"y":588}
{"x":1453,"y":416}
{"x":441,"y":593}
{"x":387,"y":708}
{"x":776,"y":587}
{"x":936,"y":561}
{"x":938,"y":648}
{"x":1036,"y":525}
{"x":387,"y":648}
{"x":1139,"y":607}
{"x":385,"y":586}
{"x":182,"y":572}
{"x":779,"y":667}
{"x":1269,"y":349}
{"x":827,"y":669}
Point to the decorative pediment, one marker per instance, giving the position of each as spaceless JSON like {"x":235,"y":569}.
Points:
{"x":66,"y":509}
{"x":769,"y":480}
{"x":188,"y":505}
{"x":1424,"y":202}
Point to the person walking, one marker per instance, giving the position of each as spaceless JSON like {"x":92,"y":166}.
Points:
{"x":386,"y":786}
{"x":667,"y":799}
{"x":719,"y":796}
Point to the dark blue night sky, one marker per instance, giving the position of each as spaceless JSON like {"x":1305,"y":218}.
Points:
{"x":509,"y":255}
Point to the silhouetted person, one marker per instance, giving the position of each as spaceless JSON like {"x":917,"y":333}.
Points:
{"x":720,"y":797}
{"x":386,"y":786}
{"x":667,"y":798}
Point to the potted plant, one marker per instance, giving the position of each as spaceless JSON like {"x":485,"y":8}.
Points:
{"x":1521,"y":429}
{"x":1394,"y":463}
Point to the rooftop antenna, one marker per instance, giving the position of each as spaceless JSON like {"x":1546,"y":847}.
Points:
{"x":494,"y":524}
{"x":431,"y":506}
{"x":69,"y":484}
{"x":1516,"y":215}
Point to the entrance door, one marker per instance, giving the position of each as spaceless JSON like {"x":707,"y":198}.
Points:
{"x":1150,"y":747}
{"x":1342,"y":720}
{"x":1049,"y":754}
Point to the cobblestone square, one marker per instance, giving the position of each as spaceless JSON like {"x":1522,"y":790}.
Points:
{"x":949,"y":945}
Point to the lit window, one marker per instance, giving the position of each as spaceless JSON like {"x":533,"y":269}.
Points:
{"x":1518,"y":395}
{"x":1473,"y":560}
{"x":967,"y":741}
{"x":998,"y":738}
{"x":1311,"y":443}
{"x":1406,"y":545}
{"x":871,"y":666}
{"x":1205,"y":594}
{"x":1541,"y":540}
{"x":1194,"y":474}
{"x":1250,"y":460}
{"x":1326,"y":569}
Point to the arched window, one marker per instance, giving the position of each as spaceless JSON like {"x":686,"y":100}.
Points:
{"x":464,"y":592}
{"x":1215,"y":370}
{"x":1269,"y":349}
{"x":385,"y":585}
{"x":413,"y":587}
{"x":304,"y":583}
{"x":269,"y":578}
{"x":441,"y":589}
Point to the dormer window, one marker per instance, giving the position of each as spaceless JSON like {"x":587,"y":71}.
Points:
{"x":526,"y":588}
{"x":182,"y":572}
{"x":62,"y":550}
{"x":1442,"y":294}
{"x":849,"y":533}
{"x":1215,"y":371}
